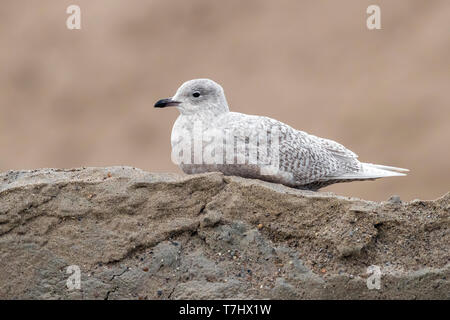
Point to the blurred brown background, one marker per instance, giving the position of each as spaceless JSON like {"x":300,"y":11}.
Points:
{"x":71,"y":98}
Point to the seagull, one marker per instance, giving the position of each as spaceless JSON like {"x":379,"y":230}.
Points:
{"x":207,"y":137}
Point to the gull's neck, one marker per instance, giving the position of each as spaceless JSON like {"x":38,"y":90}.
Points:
{"x":206,"y":114}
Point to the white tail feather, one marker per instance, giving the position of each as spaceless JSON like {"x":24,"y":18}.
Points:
{"x":379,"y":166}
{"x":373,"y":171}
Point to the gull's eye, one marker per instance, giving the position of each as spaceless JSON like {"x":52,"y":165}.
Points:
{"x":196,"y":94}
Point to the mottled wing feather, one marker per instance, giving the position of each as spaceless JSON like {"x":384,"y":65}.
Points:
{"x":307,"y":157}
{"x":347,"y":158}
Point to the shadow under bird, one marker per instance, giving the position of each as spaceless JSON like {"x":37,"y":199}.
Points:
{"x":207,"y":137}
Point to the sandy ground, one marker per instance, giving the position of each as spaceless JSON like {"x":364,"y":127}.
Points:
{"x":141,"y":235}
{"x":85,"y":98}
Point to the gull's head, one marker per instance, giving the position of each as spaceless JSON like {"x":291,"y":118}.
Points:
{"x":197,"y":96}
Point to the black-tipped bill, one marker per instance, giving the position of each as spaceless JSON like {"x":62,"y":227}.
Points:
{"x":166,"y":103}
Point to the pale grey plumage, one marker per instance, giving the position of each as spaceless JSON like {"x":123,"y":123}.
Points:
{"x":305,"y":161}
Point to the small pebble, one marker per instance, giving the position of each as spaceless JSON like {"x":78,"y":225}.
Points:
{"x":395,"y":199}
